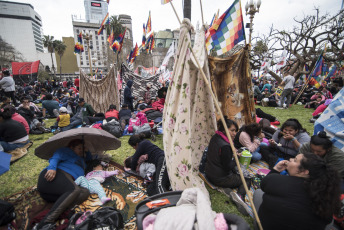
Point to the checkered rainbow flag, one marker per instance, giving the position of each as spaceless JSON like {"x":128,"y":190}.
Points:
{"x":226,"y":31}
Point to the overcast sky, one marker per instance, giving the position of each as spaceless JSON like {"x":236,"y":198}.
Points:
{"x":56,"y":14}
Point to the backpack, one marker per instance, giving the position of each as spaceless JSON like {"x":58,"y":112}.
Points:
{"x":113,"y":127}
{"x":145,"y":129}
{"x":7,"y":213}
{"x":105,"y":218}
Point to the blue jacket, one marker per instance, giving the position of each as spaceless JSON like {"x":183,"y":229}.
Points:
{"x":66,"y":160}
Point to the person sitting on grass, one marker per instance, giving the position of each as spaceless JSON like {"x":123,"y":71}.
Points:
{"x":220,"y":165}
{"x":63,"y":120}
{"x":95,"y":175}
{"x":12,"y":133}
{"x":145,"y":170}
{"x":112,"y":113}
{"x":50,"y":106}
{"x":250,"y":136}
{"x":322,"y":146}
{"x":56,"y":182}
{"x":285,"y":143}
{"x":156,"y":156}
{"x":306,"y":199}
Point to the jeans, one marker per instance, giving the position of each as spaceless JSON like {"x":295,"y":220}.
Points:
{"x":286,"y":94}
{"x":74,"y":122}
{"x":256,"y":156}
{"x":9,"y":147}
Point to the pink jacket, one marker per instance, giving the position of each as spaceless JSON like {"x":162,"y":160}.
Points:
{"x":20,"y":119}
{"x":245,"y":140}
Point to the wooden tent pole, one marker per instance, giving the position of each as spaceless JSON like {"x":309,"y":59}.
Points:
{"x":226,"y":130}
{"x":180,"y":22}
{"x":200,"y":1}
{"x":229,"y":138}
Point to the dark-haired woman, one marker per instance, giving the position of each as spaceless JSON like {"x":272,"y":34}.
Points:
{"x":285,"y":143}
{"x":220,"y":164}
{"x":250,"y":136}
{"x":322,"y":146}
{"x":56,"y":182}
{"x":305,"y":200}
{"x":12,"y":133}
{"x":156,"y":156}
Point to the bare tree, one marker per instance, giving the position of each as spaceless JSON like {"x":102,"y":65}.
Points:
{"x":304,"y":43}
{"x":8,"y":54}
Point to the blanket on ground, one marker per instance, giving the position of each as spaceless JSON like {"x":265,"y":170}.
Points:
{"x":125,"y":193}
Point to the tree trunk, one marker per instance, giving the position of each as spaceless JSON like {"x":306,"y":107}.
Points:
{"x":187,"y":9}
{"x":60,"y":69}
{"x":52,"y":63}
{"x":278,"y":78}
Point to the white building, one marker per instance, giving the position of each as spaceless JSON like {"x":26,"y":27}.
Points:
{"x":21,"y":26}
{"x":95,"y":10}
{"x":98,"y":45}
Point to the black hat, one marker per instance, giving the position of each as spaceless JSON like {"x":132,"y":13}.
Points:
{"x":81,"y":100}
{"x":6,"y":72}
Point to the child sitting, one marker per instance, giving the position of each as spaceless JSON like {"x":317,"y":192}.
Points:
{"x":145,"y":170}
{"x":94,"y":177}
{"x":63,"y":119}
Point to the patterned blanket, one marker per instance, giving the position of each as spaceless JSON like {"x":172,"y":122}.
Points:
{"x":125,"y":193}
{"x":332,"y":121}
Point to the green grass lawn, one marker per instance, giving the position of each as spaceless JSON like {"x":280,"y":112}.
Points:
{"x":25,"y":171}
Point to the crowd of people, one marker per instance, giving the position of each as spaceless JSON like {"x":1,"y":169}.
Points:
{"x":302,"y":190}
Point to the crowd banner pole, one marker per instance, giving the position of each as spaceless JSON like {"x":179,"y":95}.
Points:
{"x":226,"y":130}
{"x":309,"y":78}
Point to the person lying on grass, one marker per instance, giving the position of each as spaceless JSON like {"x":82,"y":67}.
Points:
{"x":94,"y":177}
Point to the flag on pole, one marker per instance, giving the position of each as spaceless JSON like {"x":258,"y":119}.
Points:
{"x":169,"y":54}
{"x":134,"y":54}
{"x":227,"y":31}
{"x":165,"y":1}
{"x":332,"y":71}
{"x":111,"y":38}
{"x":265,"y":65}
{"x":282,"y":60}
{"x":78,"y":48}
{"x":149,"y":24}
{"x":80,"y":38}
{"x":215,"y":17}
{"x":144,"y":35}
{"x":316,"y":75}
{"x":105,"y":21}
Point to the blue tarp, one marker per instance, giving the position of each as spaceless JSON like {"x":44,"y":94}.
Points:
{"x":5,"y":160}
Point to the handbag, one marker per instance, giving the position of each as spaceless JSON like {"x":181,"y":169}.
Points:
{"x":104,"y":218}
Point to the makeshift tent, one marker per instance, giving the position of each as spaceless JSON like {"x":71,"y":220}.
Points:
{"x":25,"y":72}
{"x":332,"y":120}
{"x":139,"y":83}
{"x":189,"y":114}
{"x":232,"y":85}
{"x":100,"y":93}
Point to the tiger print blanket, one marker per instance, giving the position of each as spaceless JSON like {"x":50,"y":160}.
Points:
{"x":125,"y":193}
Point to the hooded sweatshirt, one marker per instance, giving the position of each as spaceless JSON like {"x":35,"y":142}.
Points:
{"x":128,"y":98}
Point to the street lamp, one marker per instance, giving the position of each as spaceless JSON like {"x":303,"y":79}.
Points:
{"x":252,"y":8}
{"x":88,"y":37}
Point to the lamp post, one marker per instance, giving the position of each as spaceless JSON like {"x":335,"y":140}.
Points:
{"x":252,"y":8}
{"x":88,"y":37}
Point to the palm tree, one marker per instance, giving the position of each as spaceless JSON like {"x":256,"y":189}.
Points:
{"x":60,"y":48}
{"x":187,"y":9}
{"x":48,"y":42}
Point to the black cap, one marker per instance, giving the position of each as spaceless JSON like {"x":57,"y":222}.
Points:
{"x":81,"y":100}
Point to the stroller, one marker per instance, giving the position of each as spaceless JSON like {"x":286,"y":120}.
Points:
{"x":155,"y":131}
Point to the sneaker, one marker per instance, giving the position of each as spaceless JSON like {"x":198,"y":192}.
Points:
{"x":241,"y":205}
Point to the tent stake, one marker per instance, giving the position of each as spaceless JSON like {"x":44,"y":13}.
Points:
{"x":226,"y":129}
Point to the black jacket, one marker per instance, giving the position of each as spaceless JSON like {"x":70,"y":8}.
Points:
{"x":287,"y":205}
{"x":220,"y":161}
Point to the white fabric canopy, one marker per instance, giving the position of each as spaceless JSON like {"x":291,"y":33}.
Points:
{"x":189,"y":114}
